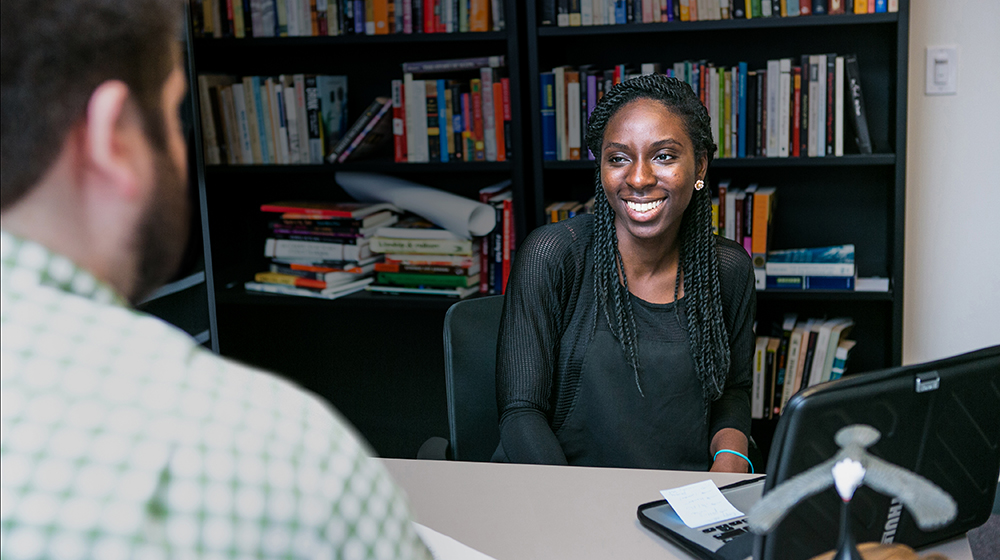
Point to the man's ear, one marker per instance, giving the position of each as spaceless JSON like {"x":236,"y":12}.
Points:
{"x":109,"y":139}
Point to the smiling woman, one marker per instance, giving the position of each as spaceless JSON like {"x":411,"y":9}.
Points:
{"x":627,"y":336}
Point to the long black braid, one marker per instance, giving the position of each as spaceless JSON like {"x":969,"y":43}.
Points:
{"x":698,"y":265}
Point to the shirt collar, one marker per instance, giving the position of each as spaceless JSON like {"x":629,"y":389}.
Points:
{"x":25,"y":263}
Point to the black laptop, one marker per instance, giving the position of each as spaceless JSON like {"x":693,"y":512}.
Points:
{"x":940,"y":419}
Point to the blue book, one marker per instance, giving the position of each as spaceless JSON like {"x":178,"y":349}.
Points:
{"x":620,"y":17}
{"x":833,"y":254}
{"x":809,"y":283}
{"x":741,"y":132}
{"x":262,"y":128}
{"x":881,"y":6}
{"x":443,"y":122}
{"x":359,"y":17}
{"x":547,"y":81}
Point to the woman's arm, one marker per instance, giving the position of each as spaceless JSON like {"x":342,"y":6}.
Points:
{"x":528,"y":343}
{"x":729,"y":422}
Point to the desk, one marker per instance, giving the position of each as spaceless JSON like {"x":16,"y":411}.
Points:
{"x":546,"y":512}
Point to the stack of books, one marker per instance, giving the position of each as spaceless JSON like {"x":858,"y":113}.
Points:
{"x":792,"y":108}
{"x":421,"y":258}
{"x":745,"y":215}
{"x":321,"y":249}
{"x":496,"y":251}
{"x":564,"y":210}
{"x":287,"y":119}
{"x":622,"y":12}
{"x":452,"y":110}
{"x":800,"y":354}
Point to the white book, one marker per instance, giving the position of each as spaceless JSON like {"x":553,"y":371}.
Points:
{"x":266,"y":93}
{"x":573,"y":118}
{"x":813,"y":103}
{"x":715,"y":8}
{"x":416,"y":104}
{"x":292,"y":120}
{"x":773,"y":86}
{"x":712,"y":97}
{"x":305,"y":18}
{"x":240,"y":106}
{"x":329,"y":293}
{"x":292,"y":18}
{"x":489,"y":116}
{"x":809,"y":269}
{"x":301,"y":118}
{"x":610,"y":6}
{"x":821,"y":110}
{"x":819,"y":353}
{"x":587,"y":12}
{"x":562,"y":147}
{"x":784,"y":103}
{"x":317,"y":250}
{"x":893,"y":6}
{"x":562,"y":19}
{"x":839,"y":331}
{"x":449,"y":16}
{"x":599,"y":11}
{"x":838,"y":107}
{"x":765,"y":10}
{"x":757,"y":389}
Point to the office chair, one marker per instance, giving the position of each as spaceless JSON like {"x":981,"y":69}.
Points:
{"x":470,"y":349}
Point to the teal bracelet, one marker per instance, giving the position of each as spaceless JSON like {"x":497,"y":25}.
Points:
{"x":737,"y":453}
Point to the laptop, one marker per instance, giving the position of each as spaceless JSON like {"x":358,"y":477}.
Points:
{"x":939,"y":419}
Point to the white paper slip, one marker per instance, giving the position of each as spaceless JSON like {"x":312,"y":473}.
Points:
{"x":700,"y":504}
{"x":443,"y":547}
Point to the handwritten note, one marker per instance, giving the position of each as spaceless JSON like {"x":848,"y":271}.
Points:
{"x":700,"y":504}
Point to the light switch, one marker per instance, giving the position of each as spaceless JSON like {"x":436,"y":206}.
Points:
{"x":942,"y":70}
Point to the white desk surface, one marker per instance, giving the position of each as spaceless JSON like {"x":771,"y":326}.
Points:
{"x":547,"y":512}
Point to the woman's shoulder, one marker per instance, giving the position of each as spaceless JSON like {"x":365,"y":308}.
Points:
{"x":560,"y":239}
{"x":735,"y":264}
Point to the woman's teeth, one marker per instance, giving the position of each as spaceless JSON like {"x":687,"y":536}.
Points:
{"x":643,"y":206}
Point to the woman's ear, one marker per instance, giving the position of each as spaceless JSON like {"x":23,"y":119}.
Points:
{"x":701,"y":167}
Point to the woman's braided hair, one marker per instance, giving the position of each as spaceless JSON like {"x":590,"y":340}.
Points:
{"x":698,"y":265}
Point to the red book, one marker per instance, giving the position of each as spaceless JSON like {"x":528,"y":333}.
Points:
{"x":508,"y":239}
{"x":805,"y":7}
{"x":506,"y":145}
{"x":498,"y":120}
{"x":430,"y":26}
{"x":796,"y":110}
{"x":327,"y":209}
{"x":477,"y":119}
{"x":399,"y":121}
{"x":439,"y":21}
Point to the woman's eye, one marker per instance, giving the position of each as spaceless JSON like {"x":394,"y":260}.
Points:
{"x":663,"y":157}
{"x":616,"y":159}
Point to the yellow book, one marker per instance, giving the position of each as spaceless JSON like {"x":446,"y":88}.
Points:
{"x":861,"y":6}
{"x":686,"y":11}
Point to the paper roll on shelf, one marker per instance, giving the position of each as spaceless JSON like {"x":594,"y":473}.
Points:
{"x":461,"y":216}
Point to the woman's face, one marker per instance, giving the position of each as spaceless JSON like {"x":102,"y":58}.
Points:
{"x":648,"y":169}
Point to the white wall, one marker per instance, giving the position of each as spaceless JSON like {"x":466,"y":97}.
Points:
{"x":952,"y":281}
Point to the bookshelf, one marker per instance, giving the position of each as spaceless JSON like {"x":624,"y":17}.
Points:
{"x":377,"y":358}
{"x":855,"y":198}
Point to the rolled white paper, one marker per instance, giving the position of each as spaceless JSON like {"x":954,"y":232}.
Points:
{"x":463,"y":217}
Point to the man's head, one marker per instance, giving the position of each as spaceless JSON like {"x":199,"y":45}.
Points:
{"x":93,"y":155}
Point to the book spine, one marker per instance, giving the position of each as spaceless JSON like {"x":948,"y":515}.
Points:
{"x":252,"y":122}
{"x":547,"y":12}
{"x":454,"y":65}
{"x":428,"y":269}
{"x":573,"y":125}
{"x":360,"y":138}
{"x":498,"y":121}
{"x":757,"y":390}
{"x":433,"y":122}
{"x":421,"y":246}
{"x":468,"y":132}
{"x":315,"y":126}
{"x":796,"y":111}
{"x":838,"y":107}
{"x":508,"y":241}
{"x":433,"y":280}
{"x":810,"y":282}
{"x":443,"y":120}
{"x":506,"y":146}
{"x":210,"y":136}
{"x":809,"y":269}
{"x":857,"y":104}
{"x":419,"y":151}
{"x":783,"y":120}
{"x":741,"y":131}
{"x":243,"y":121}
{"x":489,"y":114}
{"x":831,"y":77}
{"x":398,"y":122}
{"x":477,"y":119}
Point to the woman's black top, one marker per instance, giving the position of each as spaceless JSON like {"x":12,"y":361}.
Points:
{"x":567,"y":395}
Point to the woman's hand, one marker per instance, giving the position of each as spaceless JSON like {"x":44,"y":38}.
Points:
{"x":732,"y":439}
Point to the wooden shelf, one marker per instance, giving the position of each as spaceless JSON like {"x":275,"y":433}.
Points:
{"x":382,"y":166}
{"x":736,"y":163}
{"x":230,"y":42}
{"x":725,"y":24}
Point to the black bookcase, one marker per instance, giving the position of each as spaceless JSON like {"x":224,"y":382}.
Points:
{"x":377,"y":358}
{"x":821,"y":201}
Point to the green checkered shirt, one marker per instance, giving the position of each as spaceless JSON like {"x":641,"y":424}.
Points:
{"x":122,"y":438}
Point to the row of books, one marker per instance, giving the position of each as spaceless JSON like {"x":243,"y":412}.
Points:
{"x":287,"y":119}
{"x":783,"y":110}
{"x":564,"y":210}
{"x":799,"y":354}
{"x":572,"y":13}
{"x":312,"y":18}
{"x":452,"y":110}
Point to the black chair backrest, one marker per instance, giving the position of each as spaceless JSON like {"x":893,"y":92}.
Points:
{"x":470,"y":349}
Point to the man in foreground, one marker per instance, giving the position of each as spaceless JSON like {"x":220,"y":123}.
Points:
{"x":121,"y":438}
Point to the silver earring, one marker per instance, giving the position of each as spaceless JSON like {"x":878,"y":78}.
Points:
{"x":699,"y":184}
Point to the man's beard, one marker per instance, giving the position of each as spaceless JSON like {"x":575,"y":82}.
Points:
{"x":163,"y":230}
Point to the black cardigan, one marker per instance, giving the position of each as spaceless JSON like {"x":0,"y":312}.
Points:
{"x":546,"y":325}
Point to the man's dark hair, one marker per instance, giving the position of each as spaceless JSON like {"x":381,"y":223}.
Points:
{"x":53,"y":55}
{"x":699,"y":266}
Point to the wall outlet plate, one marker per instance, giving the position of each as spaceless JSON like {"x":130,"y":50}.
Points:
{"x":942,"y":70}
